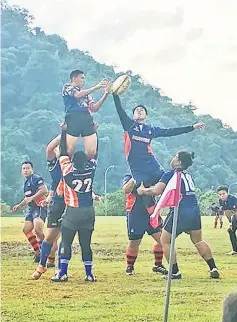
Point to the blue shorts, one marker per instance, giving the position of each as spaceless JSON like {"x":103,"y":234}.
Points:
{"x":148,"y":178}
{"x":188,"y":219}
{"x":36,"y":212}
{"x":138,"y":224}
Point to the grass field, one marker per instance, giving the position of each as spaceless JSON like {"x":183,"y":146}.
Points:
{"x":115,"y":297}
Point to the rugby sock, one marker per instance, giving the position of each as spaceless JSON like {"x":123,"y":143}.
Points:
{"x":88,"y":268}
{"x":131,"y":257}
{"x":44,"y":252}
{"x":33,"y":241}
{"x":59,"y":255}
{"x":211,"y":263}
{"x":175,"y":268}
{"x":64,"y":261}
{"x":158,"y":254}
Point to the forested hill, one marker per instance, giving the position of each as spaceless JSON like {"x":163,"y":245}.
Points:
{"x":34,"y":68}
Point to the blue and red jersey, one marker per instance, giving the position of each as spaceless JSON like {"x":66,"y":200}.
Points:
{"x":134,"y":203}
{"x":189,"y":198}
{"x":137,"y":142}
{"x":31,"y":186}
{"x":73,"y":104}
{"x":56,"y":176}
{"x":229,"y":204}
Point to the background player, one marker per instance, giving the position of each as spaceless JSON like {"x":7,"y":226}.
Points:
{"x":35,"y":192}
{"x":228,"y":203}
{"x":55,"y":200}
{"x":137,"y":225}
{"x":189,"y":219}
{"x":218,"y":213}
{"x":79,"y":215}
{"x":78,"y":105}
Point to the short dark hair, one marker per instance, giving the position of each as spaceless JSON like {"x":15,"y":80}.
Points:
{"x":230,"y":308}
{"x":28,"y":162}
{"x":186,"y":159}
{"x":75,"y":73}
{"x":222,"y":188}
{"x":79,"y":159}
{"x":145,"y":109}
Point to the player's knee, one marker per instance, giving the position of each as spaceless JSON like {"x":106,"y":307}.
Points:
{"x":90,"y":153}
{"x":66,"y":250}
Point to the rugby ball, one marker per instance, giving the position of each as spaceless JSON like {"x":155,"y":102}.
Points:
{"x":121,"y":84}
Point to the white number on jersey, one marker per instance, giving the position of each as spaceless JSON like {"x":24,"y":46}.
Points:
{"x":188,"y":182}
{"x":81,"y":184}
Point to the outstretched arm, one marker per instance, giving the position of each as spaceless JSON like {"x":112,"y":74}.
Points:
{"x":125,"y":120}
{"x":94,"y":107}
{"x":158,"y":132}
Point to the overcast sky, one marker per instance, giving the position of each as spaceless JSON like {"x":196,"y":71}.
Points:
{"x":187,"y":48}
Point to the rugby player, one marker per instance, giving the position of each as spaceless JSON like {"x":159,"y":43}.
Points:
{"x":137,"y":139}
{"x":218,"y":213}
{"x":228,"y":204}
{"x":137,"y":225}
{"x":35,"y":192}
{"x":55,"y":200}
{"x":189,"y":219}
{"x":78,"y":105}
{"x":79,"y":216}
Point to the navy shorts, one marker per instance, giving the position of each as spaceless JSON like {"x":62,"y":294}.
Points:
{"x":56,"y":210}
{"x":36,"y":212}
{"x":188,"y":219}
{"x":148,"y":179}
{"x":80,"y":124}
{"x":138,"y":225}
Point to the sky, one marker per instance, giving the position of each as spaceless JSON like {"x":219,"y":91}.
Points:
{"x":187,"y":48}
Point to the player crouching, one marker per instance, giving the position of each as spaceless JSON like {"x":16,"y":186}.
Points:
{"x":189,"y":219}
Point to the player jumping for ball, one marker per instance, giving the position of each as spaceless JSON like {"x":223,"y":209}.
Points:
{"x":189,"y":219}
{"x":78,"y":105}
{"x":137,"y":139}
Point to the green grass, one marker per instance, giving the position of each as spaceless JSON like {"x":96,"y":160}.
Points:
{"x":115,"y":297}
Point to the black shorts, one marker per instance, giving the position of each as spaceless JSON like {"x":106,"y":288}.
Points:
{"x":56,"y":210}
{"x":79,"y":218}
{"x":188,"y":219}
{"x":80,"y":124}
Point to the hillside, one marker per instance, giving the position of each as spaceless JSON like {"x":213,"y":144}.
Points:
{"x":34,"y":68}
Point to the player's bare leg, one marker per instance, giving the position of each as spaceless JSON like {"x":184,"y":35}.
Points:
{"x":166,"y":242}
{"x":48,"y":249}
{"x":158,"y":254}
{"x":131,"y":255}
{"x":221,"y":221}
{"x":38,"y":227}
{"x":90,"y":145}
{"x":71,"y":144}
{"x":204,"y":251}
{"x":216,"y":220}
{"x":51,"y":258}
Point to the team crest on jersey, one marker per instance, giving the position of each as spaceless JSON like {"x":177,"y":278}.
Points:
{"x":149,"y":132}
{"x":136,"y":128}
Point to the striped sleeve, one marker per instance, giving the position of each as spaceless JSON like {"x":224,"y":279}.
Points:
{"x":66,"y":165}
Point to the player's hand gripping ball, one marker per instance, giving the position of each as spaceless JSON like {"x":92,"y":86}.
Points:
{"x":121,"y":84}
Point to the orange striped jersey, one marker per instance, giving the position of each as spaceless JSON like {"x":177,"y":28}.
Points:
{"x":77,"y":183}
